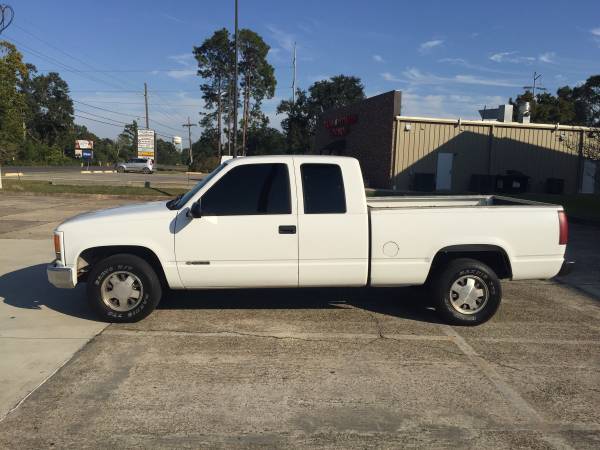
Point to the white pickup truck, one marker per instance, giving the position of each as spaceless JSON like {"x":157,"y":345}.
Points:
{"x":304,"y":221}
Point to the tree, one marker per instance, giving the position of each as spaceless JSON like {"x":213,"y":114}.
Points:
{"x":302,"y":115}
{"x":215,"y":61}
{"x":257,"y":79}
{"x":167,"y":153}
{"x":51,"y":108}
{"x":587,"y":99}
{"x":337,"y":92}
{"x":127,"y":141}
{"x":265,"y":141}
{"x":13,"y":74}
{"x":297,"y":125}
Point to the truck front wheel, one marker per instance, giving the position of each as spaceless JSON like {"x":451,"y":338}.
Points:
{"x":123,"y":288}
{"x":466,"y":292}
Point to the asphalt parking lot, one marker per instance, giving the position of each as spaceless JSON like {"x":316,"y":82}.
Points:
{"x":291,"y":368}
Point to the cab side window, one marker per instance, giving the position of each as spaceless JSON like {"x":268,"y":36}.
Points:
{"x":323,"y":189}
{"x":252,"y":189}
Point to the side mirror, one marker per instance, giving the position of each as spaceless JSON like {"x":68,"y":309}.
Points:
{"x":195,"y":212}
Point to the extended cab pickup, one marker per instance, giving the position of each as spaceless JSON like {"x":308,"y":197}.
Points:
{"x":304,"y":221}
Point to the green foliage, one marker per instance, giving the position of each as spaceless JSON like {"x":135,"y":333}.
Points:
{"x":571,"y":106}
{"x":167,"y":153}
{"x":297,"y":126}
{"x":13,"y":73}
{"x":50,"y":116}
{"x":337,"y":92}
{"x":265,"y":141}
{"x":302,"y":115}
{"x":215,"y":59}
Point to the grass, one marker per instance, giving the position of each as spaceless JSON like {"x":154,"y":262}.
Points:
{"x":44,"y":187}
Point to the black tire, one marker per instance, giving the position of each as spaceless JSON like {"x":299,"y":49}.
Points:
{"x":120,"y":169}
{"x":459,"y":271}
{"x":147,"y":282}
{"x":146,"y":170}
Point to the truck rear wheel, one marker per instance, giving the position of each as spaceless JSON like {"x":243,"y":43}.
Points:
{"x":123,"y":288}
{"x":466,"y":292}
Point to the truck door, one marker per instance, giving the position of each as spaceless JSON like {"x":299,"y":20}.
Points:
{"x":247,"y":235}
{"x":333,"y":225}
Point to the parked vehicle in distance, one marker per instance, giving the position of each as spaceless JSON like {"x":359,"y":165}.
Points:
{"x":142,"y":165}
{"x":304,"y":221}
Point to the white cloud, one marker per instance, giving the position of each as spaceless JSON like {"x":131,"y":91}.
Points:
{"x":596,"y":35}
{"x":185,"y":59}
{"x":514,"y":58}
{"x":378,"y":58}
{"x":427,"y":46}
{"x":547,"y":57}
{"x":511,"y":57}
{"x":447,"y":106}
{"x":389,"y":77}
{"x":183,"y":73}
{"x":283,"y":39}
{"x":414,"y":76}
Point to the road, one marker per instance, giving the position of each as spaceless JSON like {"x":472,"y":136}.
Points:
{"x":77,"y":175}
{"x":291,"y":368}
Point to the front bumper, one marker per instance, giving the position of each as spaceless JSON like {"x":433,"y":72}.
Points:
{"x":60,"y":276}
{"x":566,"y":269}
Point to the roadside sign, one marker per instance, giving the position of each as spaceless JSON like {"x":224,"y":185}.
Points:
{"x":82,"y":144}
{"x":145,"y":143}
{"x":87,"y":154}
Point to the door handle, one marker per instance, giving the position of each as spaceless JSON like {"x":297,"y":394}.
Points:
{"x":287,"y":229}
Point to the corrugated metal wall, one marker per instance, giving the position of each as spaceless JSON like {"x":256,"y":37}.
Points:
{"x":539,"y":151}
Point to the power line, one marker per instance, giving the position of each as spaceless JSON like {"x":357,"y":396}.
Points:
{"x":81,"y":61}
{"x":56,"y":61}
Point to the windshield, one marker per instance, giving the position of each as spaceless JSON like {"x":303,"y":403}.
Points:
{"x":178,"y":202}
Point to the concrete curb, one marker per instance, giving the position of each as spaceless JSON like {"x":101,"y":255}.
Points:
{"x":98,"y":171}
{"x":13,"y":174}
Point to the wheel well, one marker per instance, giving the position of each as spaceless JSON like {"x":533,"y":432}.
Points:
{"x":493,"y":256}
{"x":91,"y":256}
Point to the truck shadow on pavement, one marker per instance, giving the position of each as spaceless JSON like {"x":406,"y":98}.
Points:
{"x":28,"y":288}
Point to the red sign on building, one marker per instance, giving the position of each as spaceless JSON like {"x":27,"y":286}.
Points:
{"x":340,"y":126}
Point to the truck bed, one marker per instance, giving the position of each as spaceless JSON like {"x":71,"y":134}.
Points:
{"x":407,"y":232}
{"x":439,"y":201}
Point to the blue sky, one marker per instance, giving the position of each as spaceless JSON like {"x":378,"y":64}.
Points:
{"x":448,"y":58}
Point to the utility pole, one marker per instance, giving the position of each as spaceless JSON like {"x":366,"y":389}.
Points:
{"x":294,"y":76}
{"x":189,"y":126}
{"x":146,"y":102}
{"x":533,"y":87}
{"x":235,"y":85}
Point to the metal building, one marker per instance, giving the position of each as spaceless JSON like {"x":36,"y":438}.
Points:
{"x":454,"y":155}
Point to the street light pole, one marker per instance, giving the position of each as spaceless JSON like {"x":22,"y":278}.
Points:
{"x":235,"y":85}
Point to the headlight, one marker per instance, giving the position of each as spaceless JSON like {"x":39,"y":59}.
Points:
{"x":58,"y":245}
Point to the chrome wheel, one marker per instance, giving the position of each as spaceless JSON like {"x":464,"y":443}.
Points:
{"x":122,"y":291}
{"x":469,"y":294}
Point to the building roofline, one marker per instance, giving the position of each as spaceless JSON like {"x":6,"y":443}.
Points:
{"x":494,"y":124}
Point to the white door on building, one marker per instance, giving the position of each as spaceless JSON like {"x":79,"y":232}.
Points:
{"x":443,"y":179}
{"x":588,"y":180}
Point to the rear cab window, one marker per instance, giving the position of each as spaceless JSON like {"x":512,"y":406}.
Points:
{"x":323,"y":189}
